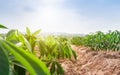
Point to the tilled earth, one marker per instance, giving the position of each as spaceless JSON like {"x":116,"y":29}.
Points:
{"x":92,"y":62}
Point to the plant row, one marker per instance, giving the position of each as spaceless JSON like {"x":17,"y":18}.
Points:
{"x":24,"y":54}
{"x":99,"y":40}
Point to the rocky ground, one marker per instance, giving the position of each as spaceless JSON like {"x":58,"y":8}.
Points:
{"x":92,"y":62}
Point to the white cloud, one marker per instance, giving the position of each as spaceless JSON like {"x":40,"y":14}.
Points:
{"x":52,"y":1}
{"x":53,"y":16}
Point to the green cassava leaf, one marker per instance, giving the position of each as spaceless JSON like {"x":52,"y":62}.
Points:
{"x":4,"y":64}
{"x":36,"y":33}
{"x":74,"y":54}
{"x":59,"y":69}
{"x":27,"y":44}
{"x":29,"y":61}
{"x":52,"y":69}
{"x":24,"y":41}
{"x":2,"y":26}
{"x":28,"y":31}
{"x":11,"y":35}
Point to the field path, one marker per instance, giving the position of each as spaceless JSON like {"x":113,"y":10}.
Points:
{"x":92,"y":62}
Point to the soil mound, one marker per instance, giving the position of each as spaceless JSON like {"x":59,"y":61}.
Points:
{"x":92,"y":62}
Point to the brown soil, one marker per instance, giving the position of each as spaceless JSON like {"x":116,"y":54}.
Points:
{"x":92,"y":62}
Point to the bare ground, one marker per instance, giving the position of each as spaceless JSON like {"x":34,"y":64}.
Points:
{"x":92,"y":62}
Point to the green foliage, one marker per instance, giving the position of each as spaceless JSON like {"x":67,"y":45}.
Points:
{"x":100,"y":40}
{"x":95,"y":41}
{"x":31,"y":37}
{"x":77,"y":40}
{"x":4,"y":63}
{"x":3,"y":27}
{"x":56,"y":69}
{"x":31,"y":63}
{"x":15,"y":37}
{"x":53,"y":48}
{"x":14,"y":47}
{"x":17,"y":52}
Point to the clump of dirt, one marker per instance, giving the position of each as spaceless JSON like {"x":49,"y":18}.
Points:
{"x":91,"y":62}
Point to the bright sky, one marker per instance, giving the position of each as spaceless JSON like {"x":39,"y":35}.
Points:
{"x":70,"y":16}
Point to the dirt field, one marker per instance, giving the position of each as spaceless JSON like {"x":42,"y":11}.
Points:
{"x":92,"y":63}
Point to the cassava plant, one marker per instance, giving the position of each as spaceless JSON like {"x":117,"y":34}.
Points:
{"x":17,"y":50}
{"x":51,"y":50}
{"x":101,"y":41}
{"x":13,"y":54}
